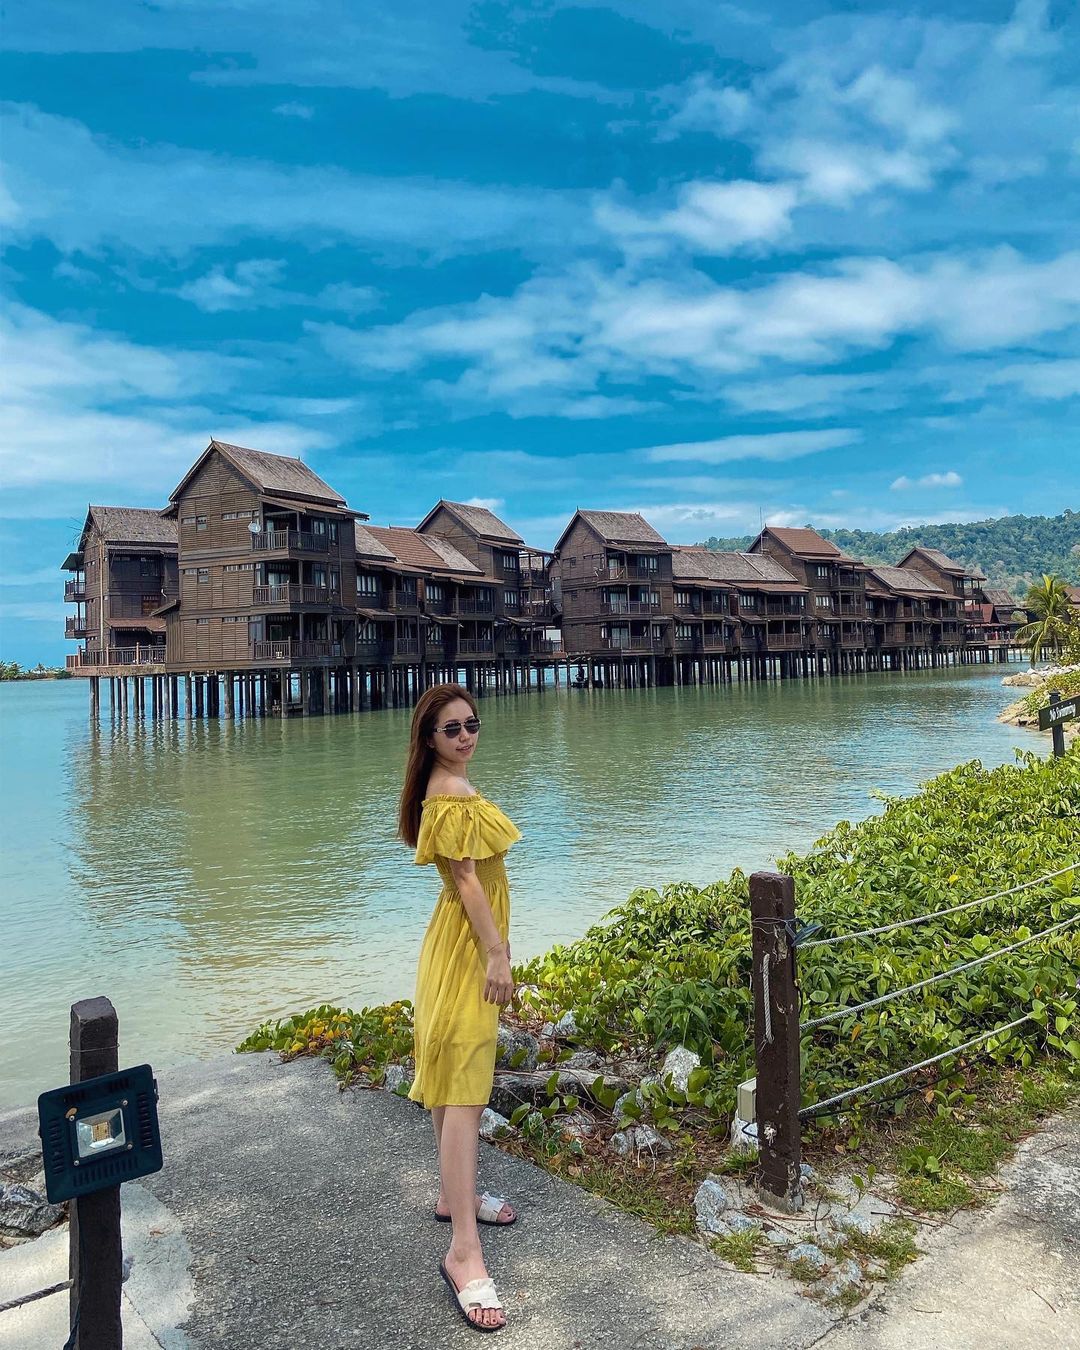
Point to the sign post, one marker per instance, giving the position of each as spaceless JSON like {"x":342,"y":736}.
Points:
{"x":1056,"y":715}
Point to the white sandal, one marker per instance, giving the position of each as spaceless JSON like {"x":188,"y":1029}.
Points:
{"x":475,"y":1294}
{"x":491,"y":1206}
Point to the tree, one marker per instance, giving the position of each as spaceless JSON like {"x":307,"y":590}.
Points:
{"x":1049,"y":602}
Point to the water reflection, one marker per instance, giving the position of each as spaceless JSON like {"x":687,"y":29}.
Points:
{"x":207,"y":875}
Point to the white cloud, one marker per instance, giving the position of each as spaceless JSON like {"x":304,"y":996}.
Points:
{"x":84,"y":192}
{"x":775,"y":447}
{"x":252,"y":283}
{"x":708,"y":217}
{"x":948,"y":479}
{"x":293,"y":109}
{"x":488,"y":503}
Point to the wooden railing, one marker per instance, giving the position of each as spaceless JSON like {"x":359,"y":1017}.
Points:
{"x":272,"y":541}
{"x":629,"y":606}
{"x":475,"y":646}
{"x":75,"y":590}
{"x":295,"y":649}
{"x":74,"y":627}
{"x":471,"y":604}
{"x":291,"y":593}
{"x":117,"y":656}
{"x":630,"y":644}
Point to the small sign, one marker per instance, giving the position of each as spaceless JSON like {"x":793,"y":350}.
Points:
{"x":1059,"y":712}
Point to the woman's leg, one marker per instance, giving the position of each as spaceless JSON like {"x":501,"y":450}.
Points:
{"x":442,"y":1205}
{"x":457,"y":1166}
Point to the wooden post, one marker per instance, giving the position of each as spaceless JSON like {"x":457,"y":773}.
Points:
{"x":1057,"y":733}
{"x":95,"y":1259}
{"x":776,"y":1038}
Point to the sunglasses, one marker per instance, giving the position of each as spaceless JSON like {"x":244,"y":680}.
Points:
{"x":452,"y":729}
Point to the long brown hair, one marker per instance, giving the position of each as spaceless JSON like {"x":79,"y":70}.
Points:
{"x":421,"y":756}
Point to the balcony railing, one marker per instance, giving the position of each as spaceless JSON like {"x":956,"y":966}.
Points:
{"x":785,"y":607}
{"x":274,"y":541}
{"x":295,"y":649}
{"x":377,"y":650}
{"x":783,"y":642}
{"x":475,"y":646}
{"x":629,"y":606}
{"x":117,"y":656}
{"x":74,"y":627}
{"x":292,"y":593}
{"x":630,"y":643}
{"x":401,"y":599}
{"x":473,"y":604}
{"x":75,"y":590}
{"x":376,"y":599}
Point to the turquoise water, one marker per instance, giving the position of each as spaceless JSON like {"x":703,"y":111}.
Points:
{"x":206,"y":876}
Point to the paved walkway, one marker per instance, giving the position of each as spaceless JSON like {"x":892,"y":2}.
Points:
{"x":290,"y":1215}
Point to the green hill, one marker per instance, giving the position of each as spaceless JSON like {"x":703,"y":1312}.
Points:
{"x":1013,"y":551}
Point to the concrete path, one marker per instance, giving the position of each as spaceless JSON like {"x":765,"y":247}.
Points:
{"x":290,"y":1215}
{"x":1008,"y":1279}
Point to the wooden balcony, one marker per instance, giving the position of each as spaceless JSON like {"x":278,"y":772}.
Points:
{"x":376,"y":651}
{"x":629,"y":607}
{"x":289,"y":541}
{"x":781,"y":607}
{"x":295,"y":649}
{"x":631,"y":643}
{"x":472,"y":604}
{"x":74,"y":626}
{"x":376,"y":599}
{"x":476,"y":646}
{"x":116,"y":656}
{"x":74,"y":590}
{"x":400,"y":600}
{"x":293,"y":593}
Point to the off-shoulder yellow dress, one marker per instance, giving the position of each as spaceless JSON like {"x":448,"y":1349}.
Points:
{"x":455,"y":1030}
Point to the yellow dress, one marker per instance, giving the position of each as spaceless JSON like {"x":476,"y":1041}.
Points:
{"x":455,"y":1030}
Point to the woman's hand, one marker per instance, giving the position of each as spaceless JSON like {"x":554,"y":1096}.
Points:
{"x":499,"y":985}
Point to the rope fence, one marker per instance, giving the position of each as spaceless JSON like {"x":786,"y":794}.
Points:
{"x":938,"y":913}
{"x":777,"y":937}
{"x":933,"y":979}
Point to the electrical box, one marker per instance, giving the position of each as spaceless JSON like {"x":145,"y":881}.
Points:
{"x":746,"y":1098}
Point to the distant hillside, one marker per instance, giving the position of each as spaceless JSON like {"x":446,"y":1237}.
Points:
{"x":1013,"y":551}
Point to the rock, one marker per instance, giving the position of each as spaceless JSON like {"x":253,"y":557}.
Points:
{"x":743,"y":1137}
{"x":806,"y":1251}
{"x":397,"y":1076}
{"x":779,"y":1238}
{"x":511,"y":1090}
{"x":25,"y":1213}
{"x":680,"y":1063}
{"x":638,"y":1139}
{"x":584,"y":1059}
{"x":577,"y":1125}
{"x":743,"y":1223}
{"x":651,"y":1080}
{"x":633,"y":1097}
{"x":846,"y":1276}
{"x":577,"y":1082}
{"x":855,"y":1223}
{"x":711,"y":1204}
{"x":494,"y":1126}
{"x":511,"y":1043}
{"x":565,"y":1029}
{"x":806,"y":1172}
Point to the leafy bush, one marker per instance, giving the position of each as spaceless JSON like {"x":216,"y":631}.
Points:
{"x":1066,"y":684}
{"x":673,"y":966}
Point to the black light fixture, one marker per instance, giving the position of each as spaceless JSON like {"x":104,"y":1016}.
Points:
{"x":99,"y":1133}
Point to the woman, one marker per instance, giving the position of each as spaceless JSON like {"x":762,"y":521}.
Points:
{"x":463,"y":977}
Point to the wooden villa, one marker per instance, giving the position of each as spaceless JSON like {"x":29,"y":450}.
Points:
{"x":258,"y":589}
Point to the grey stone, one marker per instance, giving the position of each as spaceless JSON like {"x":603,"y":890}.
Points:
{"x":510,"y":1043}
{"x":584,"y":1059}
{"x":638,"y":1139}
{"x":805,"y":1171}
{"x":807,"y":1251}
{"x":743,"y":1137}
{"x":511,"y":1090}
{"x":845,"y":1276}
{"x":397,"y":1076}
{"x":577,"y":1125}
{"x":855,"y":1223}
{"x":680,"y":1063}
{"x":634,"y":1097}
{"x":779,"y":1238}
{"x":711,"y":1204}
{"x":494,"y":1126}
{"x":566,"y":1028}
{"x":743,"y":1223}
{"x":25,"y":1213}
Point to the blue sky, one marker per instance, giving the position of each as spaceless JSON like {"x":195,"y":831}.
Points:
{"x":716,"y":263}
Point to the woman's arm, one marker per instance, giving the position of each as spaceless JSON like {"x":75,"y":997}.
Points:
{"x":499,"y":985}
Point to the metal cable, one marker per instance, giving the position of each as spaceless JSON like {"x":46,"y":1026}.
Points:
{"x":819,"y":1107}
{"x":937,"y":914}
{"x":765,"y":998}
{"x":933,"y":979}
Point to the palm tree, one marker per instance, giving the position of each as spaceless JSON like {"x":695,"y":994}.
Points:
{"x":1049,"y":602}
